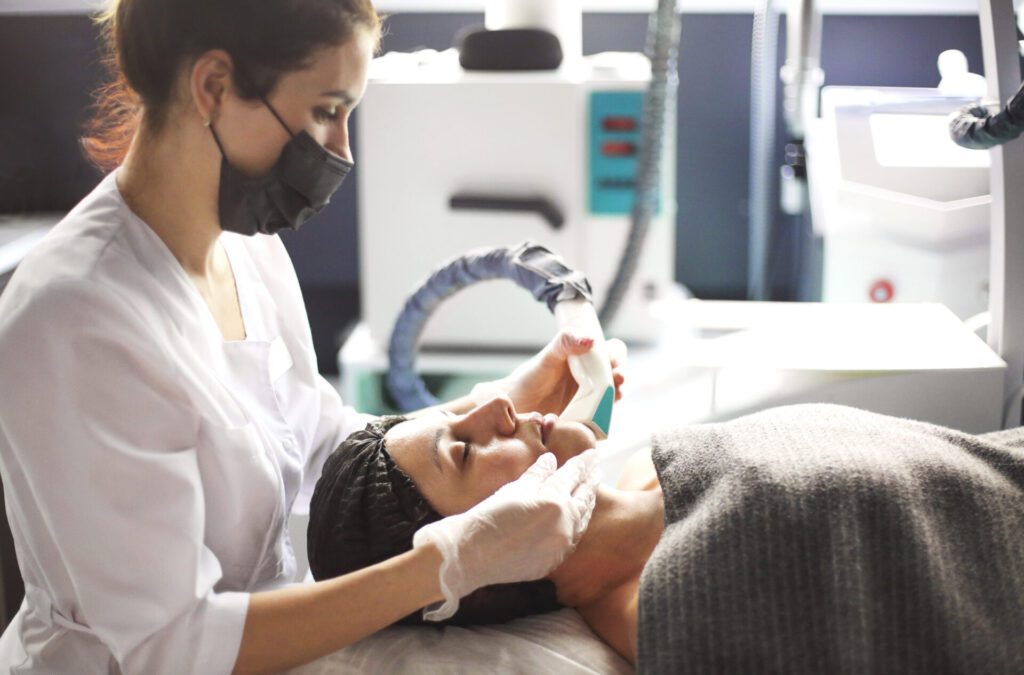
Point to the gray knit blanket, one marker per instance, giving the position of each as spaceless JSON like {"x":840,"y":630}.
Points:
{"x":823,"y":539}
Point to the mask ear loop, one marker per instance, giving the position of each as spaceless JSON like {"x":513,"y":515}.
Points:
{"x":281,"y":121}
{"x":274,"y":113}
{"x":216,"y":139}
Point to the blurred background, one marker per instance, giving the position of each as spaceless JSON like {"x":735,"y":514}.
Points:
{"x":50,"y":64}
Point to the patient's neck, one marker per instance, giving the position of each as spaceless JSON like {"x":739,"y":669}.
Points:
{"x":623,"y":531}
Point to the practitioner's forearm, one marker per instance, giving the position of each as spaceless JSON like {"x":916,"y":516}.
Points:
{"x":287,"y":627}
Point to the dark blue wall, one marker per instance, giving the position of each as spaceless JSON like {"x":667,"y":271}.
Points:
{"x":48,"y":67}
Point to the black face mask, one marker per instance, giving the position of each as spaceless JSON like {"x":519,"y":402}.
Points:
{"x":296,"y":188}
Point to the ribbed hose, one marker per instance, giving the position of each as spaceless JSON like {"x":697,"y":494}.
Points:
{"x":659,"y":107}
{"x":975,"y":127}
{"x":763,"y":83}
{"x":405,"y":386}
{"x":530,"y":265}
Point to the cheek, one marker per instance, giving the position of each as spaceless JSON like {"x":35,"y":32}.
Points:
{"x":569,"y":440}
{"x":252,"y":144}
{"x":255,"y":158}
{"x":496,"y":469}
{"x":322,"y":132}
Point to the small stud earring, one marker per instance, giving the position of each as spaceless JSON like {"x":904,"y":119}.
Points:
{"x":206,"y":122}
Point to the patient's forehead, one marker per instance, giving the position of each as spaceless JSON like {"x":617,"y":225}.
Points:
{"x":411,"y":446}
{"x":417,"y":431}
{"x":411,"y":443}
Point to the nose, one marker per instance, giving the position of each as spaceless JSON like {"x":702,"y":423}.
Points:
{"x":337,"y":142}
{"x":495,"y":417}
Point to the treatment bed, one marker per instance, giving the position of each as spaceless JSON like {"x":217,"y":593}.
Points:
{"x":557,"y":642}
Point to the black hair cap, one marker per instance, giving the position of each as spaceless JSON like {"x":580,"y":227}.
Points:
{"x":364,"y":509}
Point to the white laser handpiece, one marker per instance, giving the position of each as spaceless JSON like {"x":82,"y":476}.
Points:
{"x":592,"y":404}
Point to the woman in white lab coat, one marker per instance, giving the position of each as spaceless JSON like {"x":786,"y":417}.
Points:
{"x":162,"y":414}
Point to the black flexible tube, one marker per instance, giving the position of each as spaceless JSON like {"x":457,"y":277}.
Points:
{"x":975,"y":126}
{"x":659,"y":107}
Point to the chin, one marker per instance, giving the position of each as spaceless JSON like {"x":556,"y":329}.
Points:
{"x":569,"y":439}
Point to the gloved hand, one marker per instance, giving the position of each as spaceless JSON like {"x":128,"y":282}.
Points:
{"x":520,"y":533}
{"x":543,"y":383}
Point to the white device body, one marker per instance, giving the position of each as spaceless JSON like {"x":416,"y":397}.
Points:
{"x":428,"y":130}
{"x":903,"y":211}
{"x":592,"y":370}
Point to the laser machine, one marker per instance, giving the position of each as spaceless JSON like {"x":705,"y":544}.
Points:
{"x":457,"y":159}
{"x":490,"y":146}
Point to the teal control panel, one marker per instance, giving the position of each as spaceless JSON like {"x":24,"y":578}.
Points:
{"x":614,"y":143}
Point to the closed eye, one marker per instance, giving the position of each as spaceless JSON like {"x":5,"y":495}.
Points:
{"x":326,"y":114}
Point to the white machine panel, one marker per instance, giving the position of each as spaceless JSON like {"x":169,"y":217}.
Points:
{"x":903,"y":211}
{"x":429,"y":131}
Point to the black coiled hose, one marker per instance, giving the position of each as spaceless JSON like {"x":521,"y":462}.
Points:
{"x":975,"y":126}
{"x":659,"y":107}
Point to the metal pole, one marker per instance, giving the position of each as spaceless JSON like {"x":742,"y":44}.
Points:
{"x":763,"y":162}
{"x":1006,"y":276}
{"x":802,"y":71}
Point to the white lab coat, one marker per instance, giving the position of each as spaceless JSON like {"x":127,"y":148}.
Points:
{"x":149,"y":467}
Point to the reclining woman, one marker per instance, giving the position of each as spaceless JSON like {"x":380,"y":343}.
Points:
{"x":801,"y":539}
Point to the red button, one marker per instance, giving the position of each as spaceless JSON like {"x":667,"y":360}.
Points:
{"x":618,"y":149}
{"x":618,"y":124}
{"x":881,"y":291}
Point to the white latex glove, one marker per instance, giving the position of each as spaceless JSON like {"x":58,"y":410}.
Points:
{"x":520,"y":533}
{"x":544,"y":383}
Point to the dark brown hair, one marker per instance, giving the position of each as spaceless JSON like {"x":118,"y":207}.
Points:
{"x":148,"y":42}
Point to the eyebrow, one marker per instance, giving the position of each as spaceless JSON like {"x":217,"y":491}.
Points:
{"x":345,"y":96}
{"x":436,"y":449}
